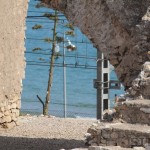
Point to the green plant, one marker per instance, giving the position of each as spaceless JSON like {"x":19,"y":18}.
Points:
{"x":59,"y":39}
{"x":69,"y":25}
{"x":37,"y":26}
{"x":48,"y":40}
{"x":51,"y":16}
{"x":36,"y":49}
{"x":71,"y":33}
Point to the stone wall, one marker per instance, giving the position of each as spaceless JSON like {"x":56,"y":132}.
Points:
{"x":118,"y":134}
{"x":120,"y":29}
{"x":137,"y":111}
{"x":12,"y":64}
{"x":129,"y":126}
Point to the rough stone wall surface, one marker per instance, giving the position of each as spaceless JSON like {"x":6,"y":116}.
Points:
{"x":118,"y":134}
{"x":137,"y":111}
{"x":12,"y":64}
{"x":121,"y":30}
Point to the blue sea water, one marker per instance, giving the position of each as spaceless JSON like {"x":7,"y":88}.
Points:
{"x":81,"y":70}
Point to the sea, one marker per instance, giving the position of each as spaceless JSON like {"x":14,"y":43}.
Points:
{"x":80,"y":68}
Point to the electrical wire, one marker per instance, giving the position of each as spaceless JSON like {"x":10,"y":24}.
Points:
{"x":81,"y":42}
{"x":74,"y":56}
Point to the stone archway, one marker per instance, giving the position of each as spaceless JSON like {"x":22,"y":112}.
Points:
{"x":121,"y":30}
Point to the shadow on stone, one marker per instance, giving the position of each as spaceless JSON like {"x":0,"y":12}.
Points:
{"x":23,"y":143}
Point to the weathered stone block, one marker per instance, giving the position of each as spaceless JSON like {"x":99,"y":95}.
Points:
{"x":1,"y":120}
{"x":14,"y":117}
{"x":7,"y":119}
{"x":1,"y":115}
{"x":9,"y":125}
{"x":7,"y":107}
{"x":18,"y":104}
{"x":7,"y":113}
{"x":134,"y":111}
{"x":131,"y":135}
{"x":13,"y":106}
{"x":17,"y":112}
{"x":2,"y":109}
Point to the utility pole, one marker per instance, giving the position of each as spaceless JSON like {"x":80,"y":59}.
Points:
{"x":64,"y":76}
{"x":102,"y":84}
{"x":99,"y":90}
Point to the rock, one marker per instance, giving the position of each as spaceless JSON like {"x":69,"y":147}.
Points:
{"x":13,"y":110}
{"x":108,"y":115}
{"x":13,"y":106}
{"x":9,"y":125}
{"x":17,"y":112}
{"x":18,"y":123}
{"x":18,"y":104}
{"x":147,"y":146}
{"x":7,"y":113}
{"x":7,"y":119}
{"x":2,"y":109}
{"x":134,"y":112}
{"x":1,"y":115}
{"x":145,"y":110}
{"x":14,"y":117}
{"x":87,"y":135}
{"x":95,"y":148}
{"x":114,"y":135}
{"x":7,"y":107}
{"x":139,"y":148}
{"x":1,"y":120}
{"x":106,"y":134}
{"x":146,"y":67}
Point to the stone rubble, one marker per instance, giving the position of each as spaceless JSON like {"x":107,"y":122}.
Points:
{"x":134,"y":111}
{"x":129,"y":127}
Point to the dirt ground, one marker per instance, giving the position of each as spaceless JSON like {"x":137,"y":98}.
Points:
{"x":45,"y":133}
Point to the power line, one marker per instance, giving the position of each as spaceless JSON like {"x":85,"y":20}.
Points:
{"x":40,"y":21}
{"x":44,"y":62}
{"x":67,"y":65}
{"x":59,"y":15}
{"x":79,"y":56}
{"x":41,"y":17}
{"x":81,"y":42}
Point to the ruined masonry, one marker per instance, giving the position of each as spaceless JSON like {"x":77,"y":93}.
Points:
{"x":12,"y":63}
{"x":130,"y":127}
{"x":121,"y":30}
